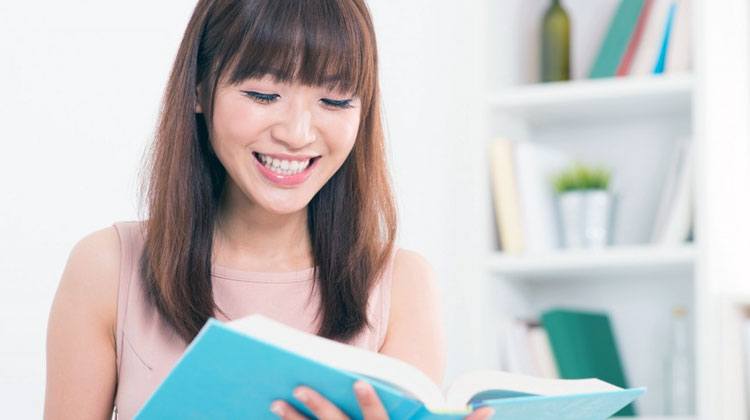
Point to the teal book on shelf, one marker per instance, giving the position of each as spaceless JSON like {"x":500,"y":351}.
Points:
{"x":615,"y":44}
{"x":236,"y":369}
{"x":584,"y":346}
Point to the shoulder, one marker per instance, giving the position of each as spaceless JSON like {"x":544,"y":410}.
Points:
{"x":91,"y":274}
{"x":412,"y":275}
{"x":414,"y":284}
{"x":415,"y":332}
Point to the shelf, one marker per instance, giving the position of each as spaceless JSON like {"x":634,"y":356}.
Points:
{"x":601,"y":98}
{"x":596,"y":264}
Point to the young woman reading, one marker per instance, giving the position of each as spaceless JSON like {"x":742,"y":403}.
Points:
{"x":267,"y":192}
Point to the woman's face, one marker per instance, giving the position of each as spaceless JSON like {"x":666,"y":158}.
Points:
{"x":281,"y":142}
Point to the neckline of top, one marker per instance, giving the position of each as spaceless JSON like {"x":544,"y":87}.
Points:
{"x":229,"y":273}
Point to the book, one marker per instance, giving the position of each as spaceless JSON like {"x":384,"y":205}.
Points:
{"x":661,"y":61}
{"x":515,"y":351}
{"x":674,"y":217}
{"x":542,"y":351}
{"x":236,"y":369}
{"x":627,"y":60}
{"x":525,"y":349}
{"x":584,"y":346}
{"x":679,"y":55}
{"x":505,"y":196}
{"x":535,"y":167}
{"x":649,"y":47}
{"x":618,"y":36}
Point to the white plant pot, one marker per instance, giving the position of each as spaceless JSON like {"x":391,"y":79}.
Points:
{"x":586,"y":218}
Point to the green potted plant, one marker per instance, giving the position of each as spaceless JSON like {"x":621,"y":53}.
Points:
{"x":585,"y":206}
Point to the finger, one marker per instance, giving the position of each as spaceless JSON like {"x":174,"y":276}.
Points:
{"x":483,"y":413}
{"x":318,"y":404}
{"x":285,"y":411}
{"x":369,"y":402}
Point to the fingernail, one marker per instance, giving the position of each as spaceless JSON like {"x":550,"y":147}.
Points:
{"x":300,"y":394}
{"x":360,"y":388}
{"x":277,"y":408}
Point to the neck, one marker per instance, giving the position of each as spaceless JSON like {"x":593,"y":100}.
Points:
{"x":248,"y":237}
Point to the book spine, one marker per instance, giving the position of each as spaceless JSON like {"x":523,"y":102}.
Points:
{"x":620,"y":32}
{"x":659,"y":68}
{"x":505,"y":192}
{"x":635,"y":41}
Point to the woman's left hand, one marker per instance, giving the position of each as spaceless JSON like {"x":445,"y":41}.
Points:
{"x":369,"y":404}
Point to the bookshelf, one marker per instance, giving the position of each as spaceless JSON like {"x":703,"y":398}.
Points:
{"x":630,"y":125}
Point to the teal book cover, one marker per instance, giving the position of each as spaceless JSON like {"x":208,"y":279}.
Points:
{"x":618,"y":36}
{"x":227,"y":374}
{"x":584,"y":346}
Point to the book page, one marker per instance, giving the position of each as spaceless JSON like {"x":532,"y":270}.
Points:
{"x":466,"y":386}
{"x":393,"y":372}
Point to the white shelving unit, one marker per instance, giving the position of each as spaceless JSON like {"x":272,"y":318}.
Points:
{"x":630,"y":125}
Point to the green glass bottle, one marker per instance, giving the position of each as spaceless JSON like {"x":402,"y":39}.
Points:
{"x":555,"y":44}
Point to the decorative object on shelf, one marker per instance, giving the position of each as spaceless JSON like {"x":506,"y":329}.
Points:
{"x":586,"y":206}
{"x":677,"y":367}
{"x":555,"y":44}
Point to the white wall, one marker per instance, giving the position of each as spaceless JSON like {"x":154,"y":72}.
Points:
{"x":80,"y":85}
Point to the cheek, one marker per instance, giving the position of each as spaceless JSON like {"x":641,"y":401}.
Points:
{"x":234,"y":124}
{"x":345,"y":134}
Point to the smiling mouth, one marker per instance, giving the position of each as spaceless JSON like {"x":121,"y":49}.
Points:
{"x":283,"y":166}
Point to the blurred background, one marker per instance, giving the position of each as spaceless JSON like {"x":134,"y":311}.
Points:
{"x":577,"y":168}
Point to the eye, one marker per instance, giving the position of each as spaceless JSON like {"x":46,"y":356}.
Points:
{"x":338,"y":104}
{"x":263,"y":98}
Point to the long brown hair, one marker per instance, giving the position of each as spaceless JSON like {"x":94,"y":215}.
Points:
{"x":351,"y":220}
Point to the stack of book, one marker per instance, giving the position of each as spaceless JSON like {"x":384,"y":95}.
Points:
{"x":645,"y":37}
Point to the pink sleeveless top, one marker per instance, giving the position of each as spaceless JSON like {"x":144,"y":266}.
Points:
{"x":147,"y":349}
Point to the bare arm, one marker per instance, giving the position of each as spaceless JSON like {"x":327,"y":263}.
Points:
{"x":415,"y":330}
{"x":81,"y":356}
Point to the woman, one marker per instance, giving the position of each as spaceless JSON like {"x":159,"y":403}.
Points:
{"x":267,"y":193}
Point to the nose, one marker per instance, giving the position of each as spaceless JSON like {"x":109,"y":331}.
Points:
{"x":295,"y":128}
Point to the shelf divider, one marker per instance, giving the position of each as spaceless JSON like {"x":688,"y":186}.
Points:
{"x":608,"y":263}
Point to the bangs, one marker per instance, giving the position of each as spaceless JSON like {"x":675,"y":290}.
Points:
{"x":312,"y":42}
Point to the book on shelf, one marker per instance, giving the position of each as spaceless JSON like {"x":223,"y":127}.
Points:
{"x":536,"y":165}
{"x":236,"y":369}
{"x":674,"y":216}
{"x":678,"y":55}
{"x":661,"y":61}
{"x":524,"y":196}
{"x":505,"y":196}
{"x":584,"y":345}
{"x":615,"y":44}
{"x":525,"y":349}
{"x":646,"y":37}
{"x":635,"y":40}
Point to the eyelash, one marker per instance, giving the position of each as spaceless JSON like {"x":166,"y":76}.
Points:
{"x":267,"y":99}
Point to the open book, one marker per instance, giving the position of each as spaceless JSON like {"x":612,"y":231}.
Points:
{"x":236,"y":369}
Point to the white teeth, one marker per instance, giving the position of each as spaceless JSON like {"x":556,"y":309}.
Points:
{"x":284,"y":167}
